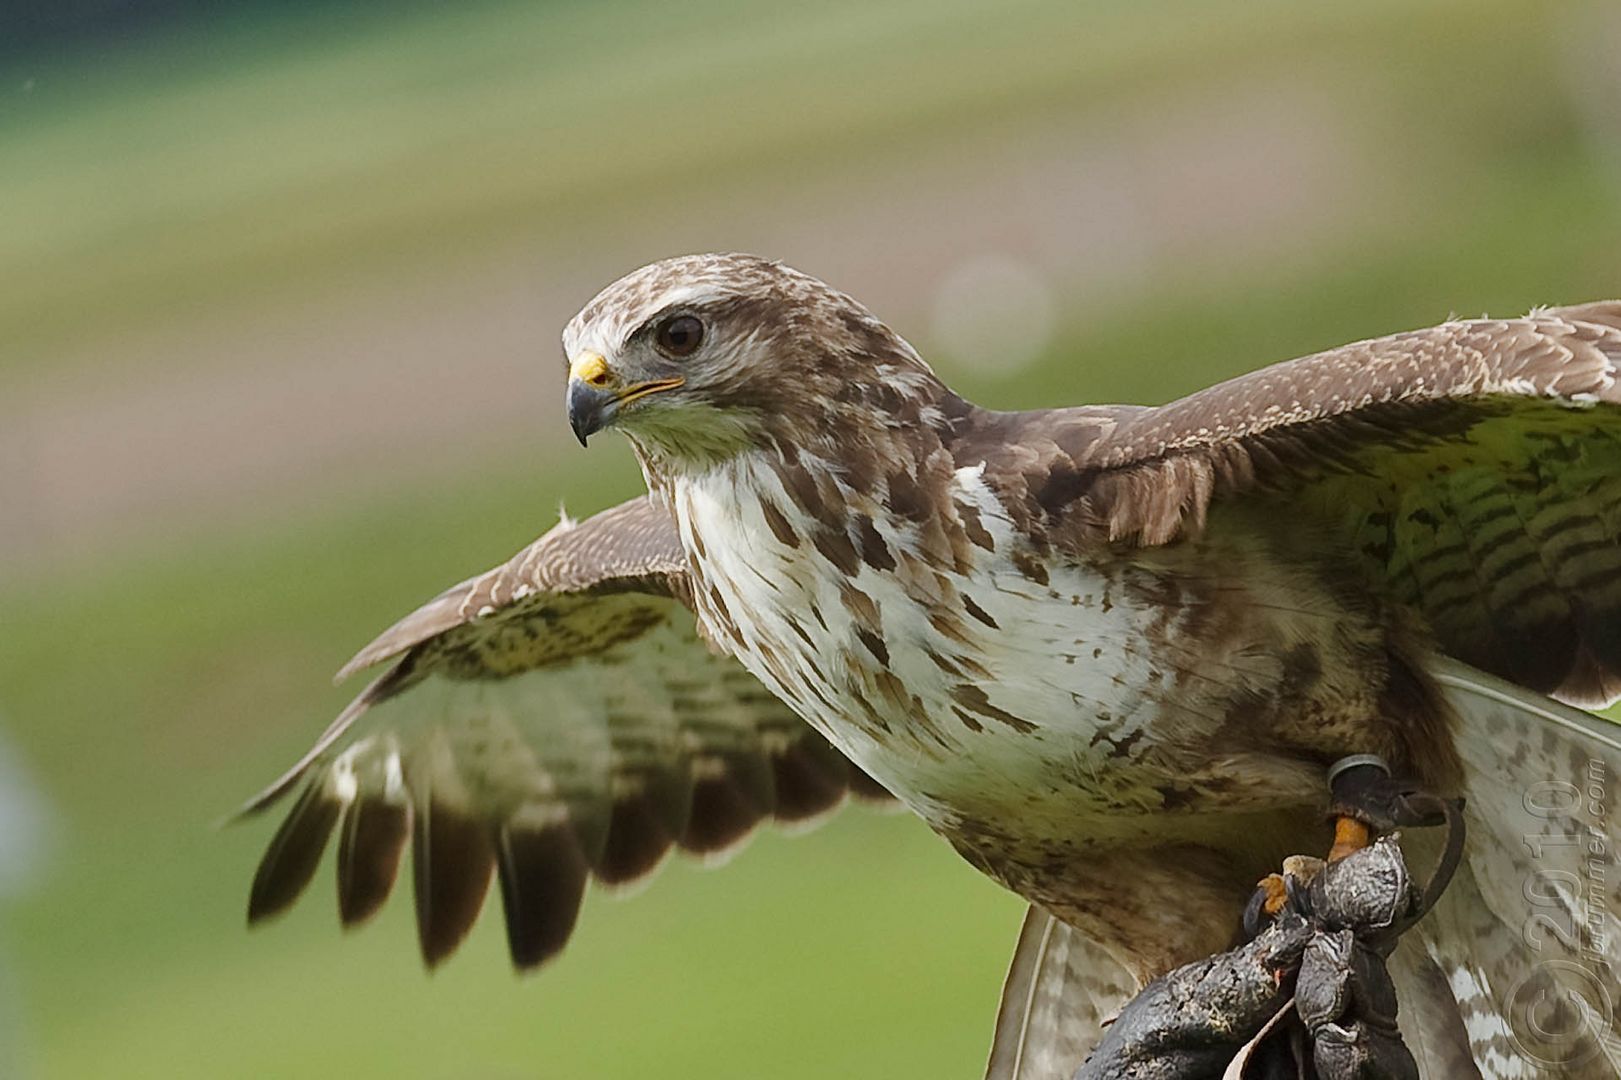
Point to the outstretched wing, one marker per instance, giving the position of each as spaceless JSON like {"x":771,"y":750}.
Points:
{"x":1062,"y":989}
{"x":553,"y":720}
{"x":1473,"y":468}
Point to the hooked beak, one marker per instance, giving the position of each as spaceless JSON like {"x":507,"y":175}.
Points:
{"x":589,"y":409}
{"x":596,"y":395}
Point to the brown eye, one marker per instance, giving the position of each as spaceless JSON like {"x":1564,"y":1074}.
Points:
{"x":679,"y":335}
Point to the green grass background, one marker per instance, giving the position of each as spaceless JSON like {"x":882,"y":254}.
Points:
{"x":255,"y":162}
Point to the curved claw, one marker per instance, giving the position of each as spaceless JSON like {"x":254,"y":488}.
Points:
{"x":1261,"y":905}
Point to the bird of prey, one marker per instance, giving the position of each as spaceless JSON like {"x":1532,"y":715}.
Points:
{"x":1106,"y":652}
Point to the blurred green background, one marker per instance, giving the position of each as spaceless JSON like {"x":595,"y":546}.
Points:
{"x":279,"y":296}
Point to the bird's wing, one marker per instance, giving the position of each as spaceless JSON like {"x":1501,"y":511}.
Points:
{"x":1061,"y":989}
{"x":1472,"y":471}
{"x":553,"y":720}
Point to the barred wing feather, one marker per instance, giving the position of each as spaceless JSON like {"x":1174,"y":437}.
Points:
{"x":1471,"y":470}
{"x":553,"y":721}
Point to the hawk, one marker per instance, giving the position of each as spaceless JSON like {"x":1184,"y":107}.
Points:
{"x":1106,"y":652}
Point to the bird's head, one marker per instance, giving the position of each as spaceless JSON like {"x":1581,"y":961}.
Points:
{"x":702,"y":357}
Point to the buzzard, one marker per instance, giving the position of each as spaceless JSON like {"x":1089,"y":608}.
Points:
{"x":1106,"y":652}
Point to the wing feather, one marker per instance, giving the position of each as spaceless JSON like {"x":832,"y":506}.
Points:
{"x":452,"y":858}
{"x":553,"y":720}
{"x":294,"y":853}
{"x":1061,"y":990}
{"x":370,"y":845}
{"x":1471,"y":471}
{"x":543,"y":874}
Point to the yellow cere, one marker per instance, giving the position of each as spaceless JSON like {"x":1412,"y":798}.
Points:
{"x":590,"y":368}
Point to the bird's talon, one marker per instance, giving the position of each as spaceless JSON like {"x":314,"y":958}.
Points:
{"x":1271,"y":895}
{"x":1299,"y":894}
{"x":1275,"y":889}
{"x":1304,"y":868}
{"x":1299,"y":871}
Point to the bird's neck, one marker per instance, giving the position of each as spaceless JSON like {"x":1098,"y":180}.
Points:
{"x":790,"y":521}
{"x":821,"y":571}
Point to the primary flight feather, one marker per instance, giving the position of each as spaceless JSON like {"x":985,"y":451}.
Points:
{"x":1106,"y":652}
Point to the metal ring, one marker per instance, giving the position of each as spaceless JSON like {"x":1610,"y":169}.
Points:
{"x":1345,"y":764}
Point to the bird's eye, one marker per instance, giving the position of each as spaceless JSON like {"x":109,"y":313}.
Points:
{"x":679,"y":335}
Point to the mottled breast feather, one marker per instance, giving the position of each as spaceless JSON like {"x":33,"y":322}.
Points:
{"x":553,"y":720}
{"x":1471,"y":471}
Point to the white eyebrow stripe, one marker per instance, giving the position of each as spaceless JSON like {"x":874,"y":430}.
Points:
{"x":608,"y":333}
{"x":694,"y":293}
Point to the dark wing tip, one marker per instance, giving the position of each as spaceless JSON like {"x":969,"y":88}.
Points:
{"x":452,"y":861}
{"x":543,"y":875}
{"x":723,"y":816}
{"x":293,"y":855}
{"x":639,"y":838}
{"x":811,"y":777}
{"x":370,"y":845}
{"x":543,"y":872}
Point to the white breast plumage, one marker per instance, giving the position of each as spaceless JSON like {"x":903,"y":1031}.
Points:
{"x":1020,"y":688}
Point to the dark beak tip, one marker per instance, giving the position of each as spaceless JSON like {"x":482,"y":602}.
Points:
{"x":587,"y":408}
